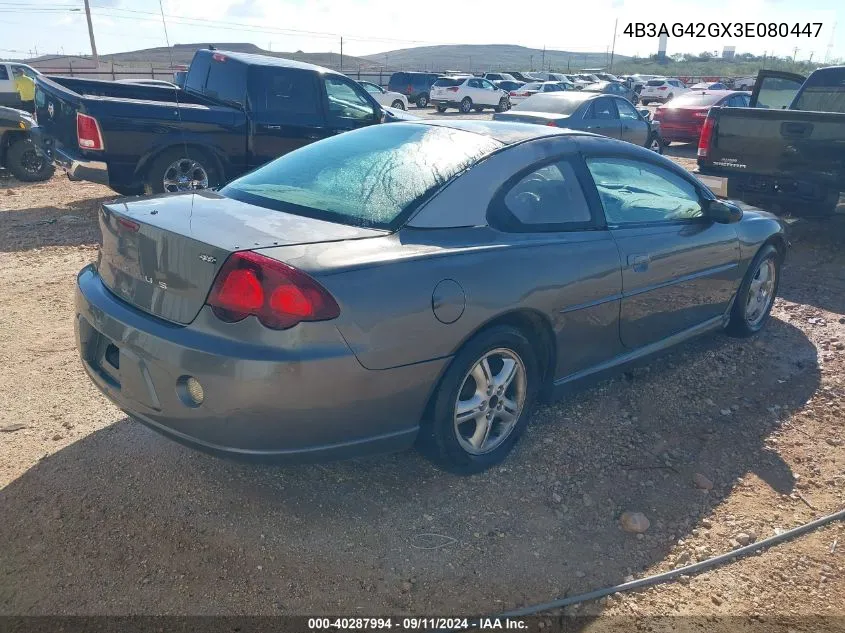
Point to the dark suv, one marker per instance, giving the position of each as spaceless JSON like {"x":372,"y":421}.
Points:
{"x":415,"y":86}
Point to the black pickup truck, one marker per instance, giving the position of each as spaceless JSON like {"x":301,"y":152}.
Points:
{"x":236,"y":111}
{"x":788,"y":148}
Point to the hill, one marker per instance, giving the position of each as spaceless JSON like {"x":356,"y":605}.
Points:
{"x":484,"y":57}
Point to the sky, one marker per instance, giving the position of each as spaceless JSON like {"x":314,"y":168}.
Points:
{"x":374,"y":26}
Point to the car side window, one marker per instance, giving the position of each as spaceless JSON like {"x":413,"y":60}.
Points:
{"x":4,"y":74}
{"x":283,"y":92}
{"x":548,"y":198}
{"x":346,"y":101}
{"x":487,"y":85}
{"x":635,"y":192}
{"x":474,"y":83}
{"x":602,"y":109}
{"x":372,"y":88}
{"x":626,"y":110}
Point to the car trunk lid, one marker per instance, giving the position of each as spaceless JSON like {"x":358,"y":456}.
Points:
{"x":541,"y":118}
{"x":162,"y":254}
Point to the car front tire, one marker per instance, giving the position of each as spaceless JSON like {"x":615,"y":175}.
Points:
{"x":503,"y":105}
{"x":756,"y":295}
{"x":397,"y":105}
{"x":483,"y":403}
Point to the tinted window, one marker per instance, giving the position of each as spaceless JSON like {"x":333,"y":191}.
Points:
{"x":374,"y":176}
{"x":602,"y":109}
{"x":283,"y":90}
{"x":626,"y":110}
{"x":634,"y":191}
{"x":548,"y":198}
{"x":371,"y":88}
{"x":474,"y":83}
{"x":226,"y":81}
{"x":445,"y":82}
{"x":346,"y":100}
{"x":4,"y":74}
{"x":551,"y":88}
{"x":548,"y":103}
{"x":655,"y":82}
{"x":777,"y":92}
{"x":197,"y":72}
{"x":823,"y":92}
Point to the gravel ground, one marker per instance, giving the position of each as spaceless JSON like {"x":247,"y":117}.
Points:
{"x":99,"y":515}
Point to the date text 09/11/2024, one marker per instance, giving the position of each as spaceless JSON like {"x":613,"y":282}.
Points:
{"x":417,"y":624}
{"x":723,"y":29}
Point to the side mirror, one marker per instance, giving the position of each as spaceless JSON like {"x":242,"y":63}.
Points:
{"x":723,"y":212}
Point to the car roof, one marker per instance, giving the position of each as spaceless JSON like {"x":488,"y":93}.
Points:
{"x":505,"y":132}
{"x":266,"y":60}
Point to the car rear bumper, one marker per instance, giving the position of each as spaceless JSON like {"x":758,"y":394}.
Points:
{"x":680,"y":133}
{"x":307,"y":404}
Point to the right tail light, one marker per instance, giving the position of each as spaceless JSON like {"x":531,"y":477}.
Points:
{"x":705,"y":140}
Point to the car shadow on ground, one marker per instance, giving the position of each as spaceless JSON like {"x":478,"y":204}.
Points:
{"x":124,"y":521}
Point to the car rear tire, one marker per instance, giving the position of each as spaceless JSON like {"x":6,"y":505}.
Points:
{"x":503,"y":105}
{"x":26,"y":164}
{"x":181,"y":169}
{"x":466,"y":105}
{"x":655,"y":144}
{"x":441,"y":109}
{"x":483,"y":402}
{"x":422,"y":101}
{"x":479,"y":108}
{"x":398,"y":105}
{"x":645,"y":102}
{"x":756,"y":295}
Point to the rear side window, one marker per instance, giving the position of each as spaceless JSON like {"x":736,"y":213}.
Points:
{"x":823,"y":92}
{"x":447,"y":82}
{"x":283,"y":91}
{"x":4,"y":74}
{"x":226,"y":80}
{"x":602,"y":109}
{"x":198,"y":72}
{"x":547,"y":198}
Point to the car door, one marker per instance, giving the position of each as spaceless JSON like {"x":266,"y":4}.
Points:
{"x":634,"y":128}
{"x":491,"y":93}
{"x":602,"y":118}
{"x":285,"y":112}
{"x":775,"y":89}
{"x":574,"y":262}
{"x":8,"y":92}
{"x":473,"y":90}
{"x":679,"y":268}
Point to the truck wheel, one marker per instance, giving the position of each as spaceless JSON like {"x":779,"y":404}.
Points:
{"x":177,"y":170}
{"x":422,"y":101}
{"x":466,"y":105}
{"x":27,"y":165}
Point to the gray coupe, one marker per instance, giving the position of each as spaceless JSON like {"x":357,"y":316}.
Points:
{"x":410,"y":283}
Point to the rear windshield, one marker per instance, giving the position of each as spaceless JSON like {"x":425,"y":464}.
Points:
{"x":823,"y":92}
{"x":655,"y":82}
{"x":549,"y":103}
{"x":373,"y":177}
{"x":695,"y":99}
{"x":448,"y":81}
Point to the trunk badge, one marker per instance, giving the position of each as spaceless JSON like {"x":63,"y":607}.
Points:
{"x":51,"y":110}
{"x":208,"y":258}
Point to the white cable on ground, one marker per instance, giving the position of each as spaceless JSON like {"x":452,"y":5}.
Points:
{"x":681,"y":571}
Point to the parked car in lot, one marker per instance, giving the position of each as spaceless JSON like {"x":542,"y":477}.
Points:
{"x":682,"y":118}
{"x":18,"y":153}
{"x":744,"y":83}
{"x":637,"y":81}
{"x":499,"y":77}
{"x":510,"y":86}
{"x":415,"y":86}
{"x":787,"y":148}
{"x":613,"y":88}
{"x":344,"y":325}
{"x":529,"y":90}
{"x":520,"y":76}
{"x":468,"y":94}
{"x":386,"y":98}
{"x":661,"y":90}
{"x":237,"y":111}
{"x":709,"y":85}
{"x":9,"y":95}
{"x":593,"y":112}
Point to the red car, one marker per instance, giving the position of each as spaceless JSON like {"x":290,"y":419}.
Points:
{"x":682,"y":118}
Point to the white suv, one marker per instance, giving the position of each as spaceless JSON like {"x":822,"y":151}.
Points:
{"x":661,"y":90}
{"x":468,"y":94}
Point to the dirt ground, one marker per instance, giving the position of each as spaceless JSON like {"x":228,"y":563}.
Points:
{"x":99,"y":515}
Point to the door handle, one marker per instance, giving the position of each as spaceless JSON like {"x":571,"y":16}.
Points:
{"x":792,"y":129}
{"x":273,"y":127}
{"x":639,"y":263}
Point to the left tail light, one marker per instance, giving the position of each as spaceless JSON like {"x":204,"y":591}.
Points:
{"x":705,"y":140}
{"x":278,"y":295}
{"x":452,"y":89}
{"x":88,"y":132}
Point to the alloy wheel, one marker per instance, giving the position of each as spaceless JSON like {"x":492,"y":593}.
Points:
{"x":185,"y":174}
{"x":761,"y":292}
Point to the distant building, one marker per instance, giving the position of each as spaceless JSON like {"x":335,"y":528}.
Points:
{"x":729,"y":52}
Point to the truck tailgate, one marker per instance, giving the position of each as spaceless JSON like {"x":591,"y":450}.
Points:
{"x":789,"y":143}
{"x":55,"y":110}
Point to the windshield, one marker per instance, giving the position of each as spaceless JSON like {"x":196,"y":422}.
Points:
{"x":549,"y":103}
{"x":695,"y":99}
{"x":374,"y":177}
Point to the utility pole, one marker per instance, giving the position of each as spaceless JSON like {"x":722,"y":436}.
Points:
{"x":341,"y":54}
{"x":794,"y":54}
{"x":613,"y":49}
{"x":531,"y":65}
{"x":91,"y":34}
{"x":543,"y":64}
